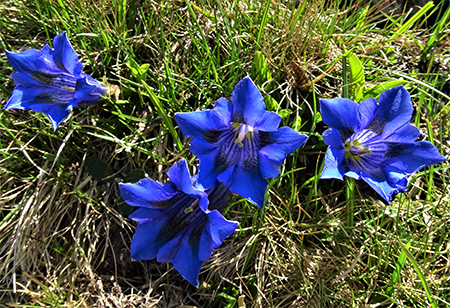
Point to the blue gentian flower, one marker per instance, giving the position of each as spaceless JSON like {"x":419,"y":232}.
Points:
{"x":178,"y":222}
{"x":51,"y":81}
{"x":239,"y":142}
{"x":375,"y":142}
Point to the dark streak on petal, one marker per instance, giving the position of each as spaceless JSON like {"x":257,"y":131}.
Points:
{"x":60,"y":65}
{"x":376,"y":126}
{"x":223,"y":161}
{"x":229,"y":151}
{"x":56,"y":80}
{"x":178,"y":198}
{"x":395,"y":150}
{"x":60,"y":97}
{"x":212,"y":135}
{"x":250,"y":162}
{"x":179,"y":220}
{"x":238,"y":119}
{"x":218,"y":197}
{"x":194,"y":237}
{"x":265,"y":138}
{"x":251,"y":165}
{"x":345,"y":134}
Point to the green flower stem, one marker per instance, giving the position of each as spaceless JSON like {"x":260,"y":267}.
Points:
{"x":350,"y":195}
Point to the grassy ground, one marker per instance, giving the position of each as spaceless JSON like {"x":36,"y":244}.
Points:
{"x":64,"y":231}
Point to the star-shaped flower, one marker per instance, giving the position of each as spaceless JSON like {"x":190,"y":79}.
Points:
{"x":178,"y":222}
{"x":51,"y":81}
{"x":374,"y":141}
{"x":239,"y":142}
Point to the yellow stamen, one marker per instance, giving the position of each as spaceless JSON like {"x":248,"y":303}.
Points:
{"x":238,"y":142}
{"x":191,"y":208}
{"x":68,"y":89}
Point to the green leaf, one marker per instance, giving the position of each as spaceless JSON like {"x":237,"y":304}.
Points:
{"x":99,"y":169}
{"x":271,"y":103}
{"x":124,"y":208}
{"x":297,"y":123}
{"x":317,"y":117}
{"x":143,"y":70}
{"x":378,"y":89}
{"x":356,"y":76}
{"x":134,"y":176}
{"x":138,"y":71}
{"x":260,"y":72}
{"x":284,"y":112}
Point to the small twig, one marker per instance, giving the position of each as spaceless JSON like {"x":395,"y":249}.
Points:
{"x":361,"y":251}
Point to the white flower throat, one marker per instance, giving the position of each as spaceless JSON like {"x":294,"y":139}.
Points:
{"x":242,"y":131}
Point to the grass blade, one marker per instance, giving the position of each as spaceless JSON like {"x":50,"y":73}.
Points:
{"x":419,"y":273}
{"x":163,"y":113}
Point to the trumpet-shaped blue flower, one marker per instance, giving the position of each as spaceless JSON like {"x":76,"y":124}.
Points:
{"x":239,"y":142}
{"x":51,"y":81}
{"x":178,"y":222}
{"x":375,"y":142}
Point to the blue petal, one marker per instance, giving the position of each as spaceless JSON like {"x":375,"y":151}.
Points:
{"x":396,"y":178}
{"x":82,"y":89}
{"x":248,"y":103}
{"x":395,"y":110}
{"x":406,"y":134}
{"x":412,"y":157}
{"x":147,"y":240}
{"x":217,"y":197}
{"x":340,"y":114}
{"x":169,"y":249}
{"x":65,"y":57}
{"x":41,"y":99}
{"x":88,"y":91}
{"x":145,"y":214}
{"x":186,"y":260}
{"x":15,"y":101}
{"x":332,"y":138}
{"x":366,"y":112}
{"x":205,"y":124}
{"x":32,"y":61}
{"x":56,"y":114}
{"x":280,"y":144}
{"x":269,"y":122}
{"x":146,"y":192}
{"x":383,"y":187}
{"x":207,"y":154}
{"x":332,"y":165}
{"x":353,"y":174}
{"x":268,"y":168}
{"x":21,"y":79}
{"x":250,"y":185}
{"x":37,"y":99}
{"x":217,"y":229}
{"x":181,"y":180}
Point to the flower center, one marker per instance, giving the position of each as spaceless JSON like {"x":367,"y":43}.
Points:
{"x":242,"y":131}
{"x":354,"y":149}
{"x":365,"y":150}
